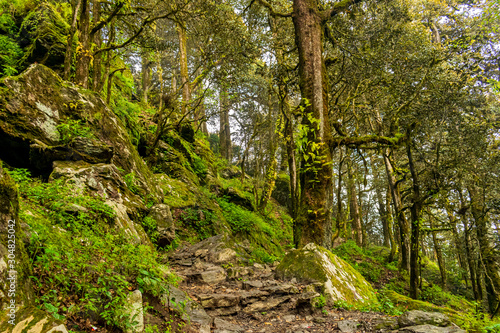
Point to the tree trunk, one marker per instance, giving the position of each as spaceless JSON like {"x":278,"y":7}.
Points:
{"x":224,"y":129}
{"x":439,"y":253}
{"x":415,"y":210}
{"x":381,"y":205}
{"x":402,"y":222}
{"x":146,"y":76}
{"x":68,"y":57}
{"x":489,"y":256}
{"x":313,"y":223}
{"x":390,"y":226}
{"x":339,"y":219}
{"x":97,"y":39}
{"x":354,"y":206}
{"x":186,"y":89}
{"x":84,"y":53}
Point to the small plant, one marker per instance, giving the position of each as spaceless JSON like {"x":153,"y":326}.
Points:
{"x":319,"y":302}
{"x":131,"y":181}
{"x":71,"y":129}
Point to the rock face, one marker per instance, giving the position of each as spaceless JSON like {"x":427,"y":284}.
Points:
{"x":133,"y":313}
{"x":44,"y":119}
{"x":163,"y":217}
{"x":340,"y":281}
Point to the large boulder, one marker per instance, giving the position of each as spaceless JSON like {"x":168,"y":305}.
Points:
{"x":106,"y":181}
{"x":417,"y":317}
{"x":340,"y":281}
{"x":44,"y":119}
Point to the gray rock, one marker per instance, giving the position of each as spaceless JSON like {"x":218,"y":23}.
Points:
{"x":282,"y":289}
{"x":213,"y":275}
{"x":218,"y":300}
{"x":252,"y":284}
{"x":348,"y":326}
{"x":417,"y":317}
{"x":430,"y":329}
{"x":226,"y":325}
{"x":133,"y":313}
{"x":386,"y":323}
{"x":161,"y":214}
{"x":265,"y":305}
{"x":289,"y":318}
{"x":191,"y":311}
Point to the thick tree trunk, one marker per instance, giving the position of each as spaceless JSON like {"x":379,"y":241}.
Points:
{"x":398,"y":206}
{"x":84,"y":53}
{"x":313,"y":223}
{"x":186,"y":89}
{"x":68,"y":57}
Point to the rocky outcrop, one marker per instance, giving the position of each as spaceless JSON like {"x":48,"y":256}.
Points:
{"x":165,"y":224}
{"x":45,"y":119}
{"x":339,"y":280}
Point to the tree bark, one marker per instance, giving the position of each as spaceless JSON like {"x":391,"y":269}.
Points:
{"x":313,"y":223}
{"x":83,"y":51}
{"x":68,"y":57}
{"x":398,"y":206}
{"x":186,"y":88}
{"x":415,"y":210}
{"x":354,"y":206}
{"x":97,"y":39}
{"x":146,"y":76}
{"x":224,"y":129}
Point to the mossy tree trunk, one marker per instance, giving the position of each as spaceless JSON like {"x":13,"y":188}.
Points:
{"x":224,"y":128}
{"x":415,"y":209}
{"x":354,"y":210}
{"x":183,"y":62}
{"x":398,"y":208}
{"x":313,"y":222}
{"x":489,"y":256}
{"x":83,"y":50}
{"x":146,"y":75}
{"x":97,"y":40}
{"x":68,"y":57}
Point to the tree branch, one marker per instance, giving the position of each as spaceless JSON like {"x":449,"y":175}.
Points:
{"x":337,"y":8}
{"x":270,"y":8}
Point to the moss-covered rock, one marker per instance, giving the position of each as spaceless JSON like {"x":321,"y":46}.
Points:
{"x":32,"y":320}
{"x":40,"y":112}
{"x":340,"y":281}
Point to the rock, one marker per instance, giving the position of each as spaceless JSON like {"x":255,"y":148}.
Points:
{"x":133,"y":320}
{"x":212,"y":275}
{"x":386,"y":323}
{"x":417,"y":317}
{"x":190,"y":310}
{"x":252,"y":284}
{"x":281,"y":192}
{"x":340,"y":281}
{"x":218,"y":300}
{"x":265,"y":305}
{"x":430,"y":329}
{"x":282,"y":289}
{"x":348,"y":326}
{"x":226,"y":325}
{"x":44,"y":119}
{"x":161,"y":214}
{"x":234,"y":196}
{"x":32,"y":320}
{"x":224,"y":256}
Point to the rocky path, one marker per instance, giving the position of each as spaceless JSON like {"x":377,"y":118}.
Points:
{"x":238,"y":298}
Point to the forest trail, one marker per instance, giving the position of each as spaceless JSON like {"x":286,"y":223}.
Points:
{"x":248,"y":298}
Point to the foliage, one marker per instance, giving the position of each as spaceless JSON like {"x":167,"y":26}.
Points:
{"x":129,"y":113}
{"x":199,"y":221}
{"x":70,"y":129}
{"x":131,"y":181}
{"x":65,"y":243}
